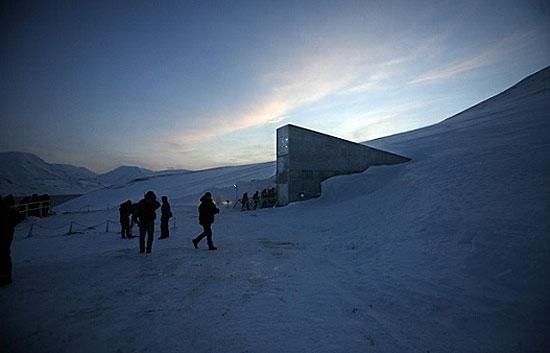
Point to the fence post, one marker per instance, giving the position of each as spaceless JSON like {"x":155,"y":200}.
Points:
{"x":29,"y":234}
{"x":70,"y":229}
{"x":107,"y":226}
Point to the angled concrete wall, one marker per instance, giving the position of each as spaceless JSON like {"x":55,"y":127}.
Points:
{"x":305,"y":158}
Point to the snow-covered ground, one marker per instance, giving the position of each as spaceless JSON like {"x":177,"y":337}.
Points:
{"x":447,"y":253}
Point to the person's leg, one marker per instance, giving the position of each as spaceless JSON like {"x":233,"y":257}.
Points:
{"x":126,"y":229}
{"x":142,"y":230}
{"x":208,"y":231}
{"x":150,"y":236}
{"x":164,"y":231}
{"x":128,"y":234}
{"x":199,"y":237}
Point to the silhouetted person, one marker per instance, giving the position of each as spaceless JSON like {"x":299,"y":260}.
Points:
{"x":245,"y":202}
{"x":133,"y":219}
{"x":207,"y":210}
{"x":165,"y":216}
{"x":255,"y":199}
{"x":264,"y":199}
{"x":272,"y":197}
{"x":146,"y":214}
{"x":125,"y":211}
{"x":9,"y":218}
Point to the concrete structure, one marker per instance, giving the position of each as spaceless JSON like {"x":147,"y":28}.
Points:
{"x":305,"y":158}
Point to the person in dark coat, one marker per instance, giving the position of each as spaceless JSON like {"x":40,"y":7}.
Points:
{"x":9,"y":218}
{"x":125,"y":211}
{"x":146,"y":214}
{"x":207,"y":210}
{"x":264,"y":199}
{"x":244,"y":202}
{"x":165,"y":216}
{"x":255,"y":200}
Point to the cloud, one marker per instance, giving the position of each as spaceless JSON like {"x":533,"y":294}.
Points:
{"x":379,"y":122}
{"x":488,"y":56}
{"x":311,"y":75}
{"x":311,"y":78}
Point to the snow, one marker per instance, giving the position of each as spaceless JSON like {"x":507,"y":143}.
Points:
{"x":25,"y":174}
{"x":123,"y":175}
{"x":183,"y":187}
{"x":447,"y":253}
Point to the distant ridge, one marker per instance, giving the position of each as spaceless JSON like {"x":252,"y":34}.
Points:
{"x":25,"y":173}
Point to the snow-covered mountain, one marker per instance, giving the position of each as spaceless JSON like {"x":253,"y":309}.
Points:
{"x":124,"y":174}
{"x":25,"y":173}
{"x":449,"y":252}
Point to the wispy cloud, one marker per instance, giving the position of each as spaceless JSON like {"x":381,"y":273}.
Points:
{"x":488,"y":56}
{"x":311,"y":77}
{"x":379,"y":122}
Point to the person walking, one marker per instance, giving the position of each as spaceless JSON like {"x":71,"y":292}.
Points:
{"x":207,"y":211}
{"x":146,"y":215}
{"x":165,"y":216}
{"x":9,"y":218}
{"x":125,"y":210}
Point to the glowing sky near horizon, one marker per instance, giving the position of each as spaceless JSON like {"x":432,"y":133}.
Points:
{"x":204,"y":84}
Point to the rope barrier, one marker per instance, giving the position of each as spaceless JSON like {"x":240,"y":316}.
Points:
{"x":79,"y":228}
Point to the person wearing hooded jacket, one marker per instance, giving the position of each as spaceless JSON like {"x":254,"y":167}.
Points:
{"x":207,"y":211}
{"x":146,"y":214}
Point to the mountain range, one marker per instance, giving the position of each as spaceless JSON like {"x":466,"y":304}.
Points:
{"x":25,"y":173}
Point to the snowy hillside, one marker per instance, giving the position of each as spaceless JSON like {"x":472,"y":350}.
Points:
{"x":25,"y":173}
{"x":181,"y":187}
{"x":123,"y":175}
{"x":447,"y":253}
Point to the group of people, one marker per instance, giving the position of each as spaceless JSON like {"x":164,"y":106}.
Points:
{"x":143,"y":213}
{"x":9,"y":218}
{"x":268,"y":198}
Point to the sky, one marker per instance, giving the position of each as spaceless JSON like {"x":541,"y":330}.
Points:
{"x":203,"y":84}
